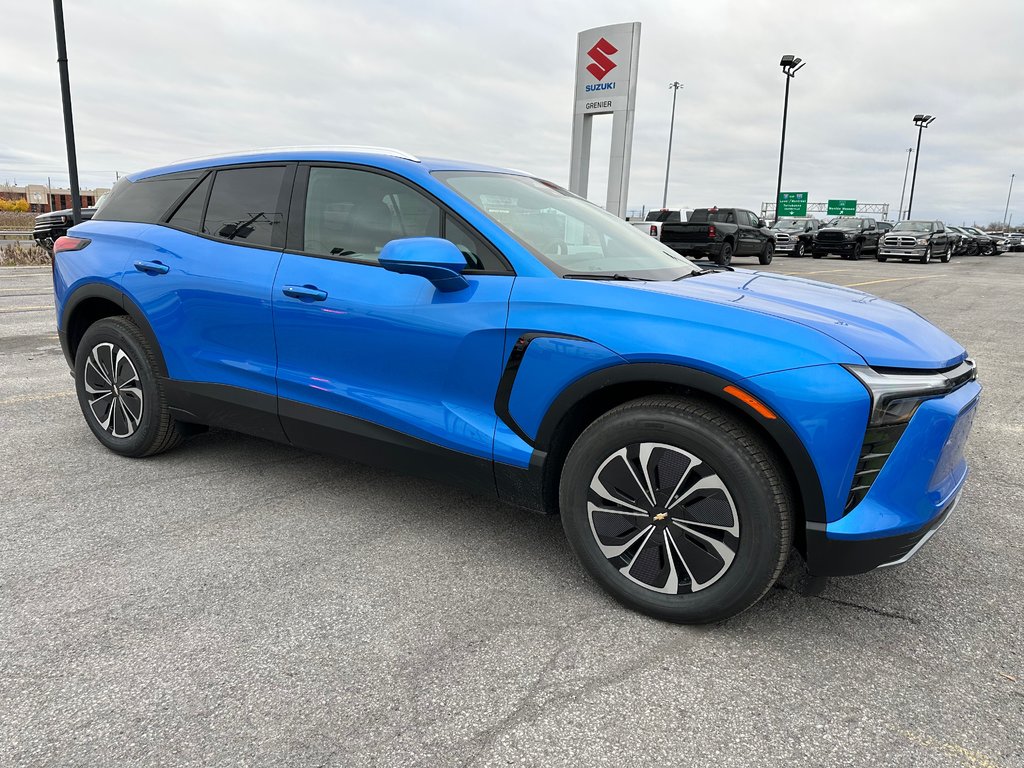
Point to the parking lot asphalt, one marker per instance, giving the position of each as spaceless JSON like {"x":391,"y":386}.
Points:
{"x":240,"y":602}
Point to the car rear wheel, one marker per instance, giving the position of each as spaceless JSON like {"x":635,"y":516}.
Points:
{"x":118,"y":391}
{"x":765,"y":257}
{"x":676,"y":509}
{"x":724,"y":255}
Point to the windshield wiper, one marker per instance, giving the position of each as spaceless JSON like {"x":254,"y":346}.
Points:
{"x":604,"y":276}
{"x":696,"y":273}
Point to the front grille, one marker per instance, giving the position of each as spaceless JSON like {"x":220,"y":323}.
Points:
{"x":879,"y":442}
{"x":899,"y":241}
{"x":831,"y":237}
{"x":782,"y":238}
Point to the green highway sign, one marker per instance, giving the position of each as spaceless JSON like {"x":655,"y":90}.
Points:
{"x":792,"y":204}
{"x":842,"y":207}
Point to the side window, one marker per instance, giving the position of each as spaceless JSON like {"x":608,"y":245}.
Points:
{"x":146,"y":200}
{"x":478,"y":254}
{"x":244,"y":206}
{"x":189,"y":215}
{"x":354,"y":214}
{"x":753,"y":218}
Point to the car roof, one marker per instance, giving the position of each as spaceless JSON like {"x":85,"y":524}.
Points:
{"x":379,"y":157}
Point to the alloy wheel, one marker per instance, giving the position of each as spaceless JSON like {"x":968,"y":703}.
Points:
{"x":663,"y":518}
{"x":113,"y":390}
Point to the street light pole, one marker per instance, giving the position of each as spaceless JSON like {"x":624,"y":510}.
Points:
{"x":675,"y":86}
{"x":1006,"y":210}
{"x":65,"y":94}
{"x":922,"y":122}
{"x":910,"y":151}
{"x":790,"y":66}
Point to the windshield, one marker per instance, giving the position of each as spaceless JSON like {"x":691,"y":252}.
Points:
{"x":974,"y":231}
{"x":914,"y":226}
{"x":790,"y":224}
{"x":567,"y":233}
{"x":846,"y":223}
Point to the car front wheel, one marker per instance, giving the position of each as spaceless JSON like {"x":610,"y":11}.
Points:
{"x":798,"y":250}
{"x":676,"y":509}
{"x":118,"y":391}
{"x":765,"y":257}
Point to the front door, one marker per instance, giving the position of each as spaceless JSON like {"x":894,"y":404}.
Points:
{"x":379,"y":365}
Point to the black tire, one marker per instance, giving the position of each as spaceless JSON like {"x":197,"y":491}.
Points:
{"x":882,"y":258}
{"x":743,"y":490}
{"x":765,"y":257}
{"x":724,"y":257}
{"x":815,"y":255}
{"x":139,"y":413}
{"x":858,"y":248}
{"x":799,"y":250}
{"x":947,"y":255}
{"x":905,"y":260}
{"x":927,"y":256}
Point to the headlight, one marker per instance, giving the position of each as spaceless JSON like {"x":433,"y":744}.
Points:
{"x":847,"y":236}
{"x":922,"y":241}
{"x":896,"y":396}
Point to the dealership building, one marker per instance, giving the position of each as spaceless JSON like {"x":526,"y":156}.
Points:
{"x":42,"y":199}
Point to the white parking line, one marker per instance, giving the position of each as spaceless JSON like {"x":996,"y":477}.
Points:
{"x":892,"y":279}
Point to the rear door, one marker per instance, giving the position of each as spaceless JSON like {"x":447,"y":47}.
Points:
{"x":748,"y":234}
{"x":204,"y":280}
{"x":380,"y":365}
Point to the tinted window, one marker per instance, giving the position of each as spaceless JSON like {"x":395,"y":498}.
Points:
{"x":353,"y":214}
{"x":147,"y":200}
{"x":478,"y":255}
{"x":244,"y":206}
{"x":190,"y":213}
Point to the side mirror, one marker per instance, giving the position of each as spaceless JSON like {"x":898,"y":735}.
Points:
{"x":762,"y":223}
{"x":439,"y":261}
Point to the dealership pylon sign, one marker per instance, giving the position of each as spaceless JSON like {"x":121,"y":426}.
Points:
{"x":606,"y":69}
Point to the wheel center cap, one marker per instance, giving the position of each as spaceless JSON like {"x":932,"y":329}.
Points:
{"x":660,"y":516}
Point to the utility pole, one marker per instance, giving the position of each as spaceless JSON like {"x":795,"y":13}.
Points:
{"x":65,"y":95}
{"x":910,"y":151}
{"x":1007,"y":208}
{"x":675,"y":86}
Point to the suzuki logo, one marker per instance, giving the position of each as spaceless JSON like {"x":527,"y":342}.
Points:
{"x":602,"y":64}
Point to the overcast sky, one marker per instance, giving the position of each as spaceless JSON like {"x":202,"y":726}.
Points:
{"x":161,"y":80}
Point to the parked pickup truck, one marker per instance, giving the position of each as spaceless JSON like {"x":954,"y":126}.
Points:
{"x":654,"y":220}
{"x":719,"y":234}
{"x":918,"y":240}
{"x":849,"y":237}
{"x":794,"y":236}
{"x":49,"y":226}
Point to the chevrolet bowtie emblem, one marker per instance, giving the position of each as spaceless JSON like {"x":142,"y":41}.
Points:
{"x":661,"y":516}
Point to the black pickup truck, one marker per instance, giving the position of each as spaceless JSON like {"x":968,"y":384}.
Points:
{"x":49,"y":226}
{"x":849,"y":237}
{"x":719,"y":234}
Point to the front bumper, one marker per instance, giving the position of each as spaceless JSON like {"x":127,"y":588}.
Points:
{"x":893,"y":252}
{"x":834,"y":246}
{"x":916,"y":490}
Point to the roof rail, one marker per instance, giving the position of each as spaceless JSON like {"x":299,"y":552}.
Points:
{"x":310,"y":148}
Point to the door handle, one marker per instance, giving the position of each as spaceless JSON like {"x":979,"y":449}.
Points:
{"x":152,"y":267}
{"x":304,"y":292}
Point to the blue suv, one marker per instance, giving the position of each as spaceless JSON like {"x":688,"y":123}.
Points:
{"x":490,"y":329}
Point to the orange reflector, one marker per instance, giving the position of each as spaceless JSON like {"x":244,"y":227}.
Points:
{"x":750,"y":400}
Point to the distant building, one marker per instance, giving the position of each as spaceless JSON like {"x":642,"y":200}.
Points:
{"x":43,"y":200}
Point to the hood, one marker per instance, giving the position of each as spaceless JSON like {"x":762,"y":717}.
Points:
{"x":885,"y":334}
{"x":86,"y":214}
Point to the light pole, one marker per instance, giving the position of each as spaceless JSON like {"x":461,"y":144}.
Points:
{"x":1006,"y":210}
{"x":910,"y":151}
{"x":65,"y":94}
{"x":675,"y":86}
{"x":790,"y":66}
{"x":922,"y":122}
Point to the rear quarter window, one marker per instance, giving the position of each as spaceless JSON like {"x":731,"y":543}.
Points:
{"x":147,"y":200}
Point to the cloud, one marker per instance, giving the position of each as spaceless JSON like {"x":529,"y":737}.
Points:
{"x":492,"y":82}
